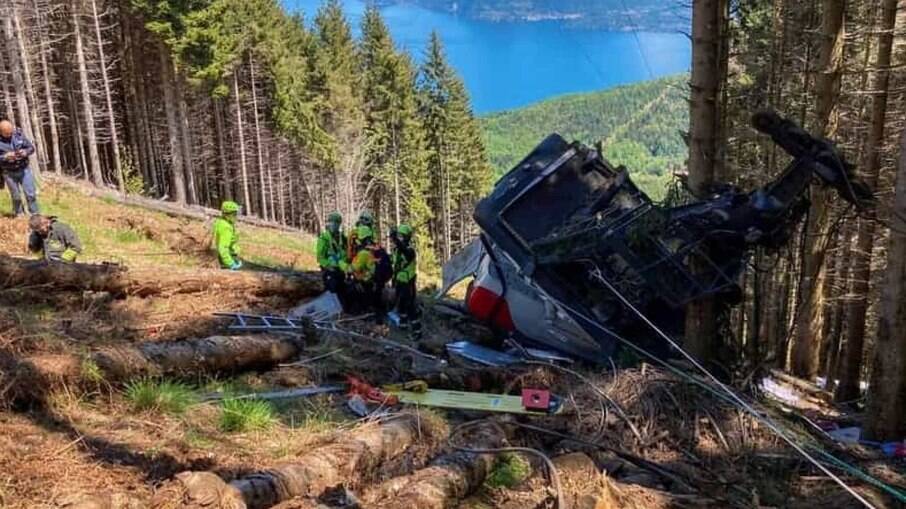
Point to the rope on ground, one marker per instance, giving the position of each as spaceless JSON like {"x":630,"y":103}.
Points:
{"x":551,"y":468}
{"x":619,"y":410}
{"x":729,"y":396}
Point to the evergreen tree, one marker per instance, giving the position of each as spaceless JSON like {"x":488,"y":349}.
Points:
{"x":456,"y":157}
{"x":339,"y":105}
{"x":396,"y":156}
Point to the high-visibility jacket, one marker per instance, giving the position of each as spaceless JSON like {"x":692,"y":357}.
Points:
{"x":404,"y":267}
{"x":364,"y":265}
{"x":331,"y":251}
{"x":226,"y":242}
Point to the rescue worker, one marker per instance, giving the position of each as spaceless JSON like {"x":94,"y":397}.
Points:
{"x":226,"y":240}
{"x":369,"y":269}
{"x":404,"y":273}
{"x":15,"y":149}
{"x":365,"y":219}
{"x":332,"y":257}
{"x":56,"y":241}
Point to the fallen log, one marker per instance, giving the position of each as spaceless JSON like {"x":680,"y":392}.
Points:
{"x":30,"y":378}
{"x":18,"y":272}
{"x":347,"y":461}
{"x":447,"y":480}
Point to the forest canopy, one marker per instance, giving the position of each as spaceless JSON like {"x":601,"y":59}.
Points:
{"x":640,"y":126}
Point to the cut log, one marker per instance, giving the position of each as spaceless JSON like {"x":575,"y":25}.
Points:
{"x":30,"y":378}
{"x":449,"y":478}
{"x":18,"y":272}
{"x":348,"y":461}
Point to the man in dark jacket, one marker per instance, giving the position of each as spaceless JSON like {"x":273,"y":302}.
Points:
{"x":57,"y":242}
{"x":15,"y":150}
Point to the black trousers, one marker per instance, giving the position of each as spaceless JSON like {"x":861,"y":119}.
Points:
{"x":335,"y":281}
{"x":405,"y":301}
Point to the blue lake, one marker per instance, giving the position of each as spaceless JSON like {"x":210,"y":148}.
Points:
{"x":511,"y":64}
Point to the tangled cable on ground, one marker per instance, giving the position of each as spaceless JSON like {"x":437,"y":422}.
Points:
{"x":551,"y":468}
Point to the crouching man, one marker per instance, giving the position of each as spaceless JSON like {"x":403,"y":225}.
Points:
{"x":56,"y":241}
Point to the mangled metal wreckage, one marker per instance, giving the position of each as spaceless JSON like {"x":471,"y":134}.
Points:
{"x":573,"y":257}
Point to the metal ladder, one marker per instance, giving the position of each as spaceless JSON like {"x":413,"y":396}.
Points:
{"x":259,"y":323}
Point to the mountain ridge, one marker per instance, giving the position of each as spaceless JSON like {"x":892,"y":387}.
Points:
{"x":639,"y":125}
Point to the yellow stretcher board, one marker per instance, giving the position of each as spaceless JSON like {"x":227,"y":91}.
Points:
{"x":468,"y":401}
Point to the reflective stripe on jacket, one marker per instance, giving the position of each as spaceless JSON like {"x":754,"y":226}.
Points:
{"x":331,"y":251}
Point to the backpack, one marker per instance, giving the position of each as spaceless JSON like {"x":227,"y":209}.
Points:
{"x":383,"y":268}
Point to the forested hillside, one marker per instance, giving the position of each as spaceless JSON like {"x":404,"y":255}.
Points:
{"x":640,"y":126}
{"x":201,"y":101}
{"x":647,"y":15}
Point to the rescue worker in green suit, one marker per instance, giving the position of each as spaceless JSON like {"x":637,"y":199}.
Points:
{"x":332,"y":258}
{"x":56,"y":241}
{"x":403,"y":259}
{"x":226,"y":240}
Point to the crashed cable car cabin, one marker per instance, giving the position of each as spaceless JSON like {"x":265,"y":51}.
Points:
{"x":573,"y":257}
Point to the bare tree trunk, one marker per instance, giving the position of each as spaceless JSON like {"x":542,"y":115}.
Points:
{"x":885,"y":418}
{"x":177,"y":173}
{"x":16,"y":73}
{"x":185,"y":140}
{"x":708,"y":18}
{"x":48,"y":93}
{"x":851,"y":360}
{"x":226,"y":175}
{"x":108,"y":95}
{"x":281,"y":188}
{"x":261,"y":181}
{"x":241,"y":130}
{"x":94,"y":158}
{"x":35,"y":117}
{"x":807,"y":339}
{"x":7,"y":98}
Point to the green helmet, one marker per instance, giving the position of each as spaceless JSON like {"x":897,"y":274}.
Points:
{"x":405,"y":230}
{"x":364,"y":232}
{"x":335,"y":217}
{"x":365,"y":219}
{"x":229,"y":207}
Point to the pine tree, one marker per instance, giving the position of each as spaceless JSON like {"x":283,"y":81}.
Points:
{"x":336,"y":80}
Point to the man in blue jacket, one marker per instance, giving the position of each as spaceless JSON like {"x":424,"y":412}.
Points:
{"x":15,"y":150}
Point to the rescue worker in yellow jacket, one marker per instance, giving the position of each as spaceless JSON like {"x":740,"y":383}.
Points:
{"x":226,"y":240}
{"x":332,"y":258}
{"x":370,"y":270}
{"x":403,"y":260}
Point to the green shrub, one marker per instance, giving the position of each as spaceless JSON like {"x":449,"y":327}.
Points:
{"x":510,"y":470}
{"x":91,"y":372}
{"x":241,"y":415}
{"x":160,"y":395}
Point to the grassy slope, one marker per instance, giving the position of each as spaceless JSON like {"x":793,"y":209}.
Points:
{"x":117,"y":233}
{"x":639,"y":124}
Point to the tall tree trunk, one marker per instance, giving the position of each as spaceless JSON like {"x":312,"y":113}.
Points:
{"x":7,"y":98}
{"x":108,"y":96}
{"x":885,"y":418}
{"x":94,"y":158}
{"x":810,"y":323}
{"x":226,"y":175}
{"x":14,"y":67}
{"x":261,"y":181}
{"x":281,"y":188}
{"x":48,"y":92}
{"x":851,"y":360}
{"x":177,"y":173}
{"x":185,"y":140}
{"x":34,"y":111}
{"x":708,"y":19}
{"x":240,"y":129}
